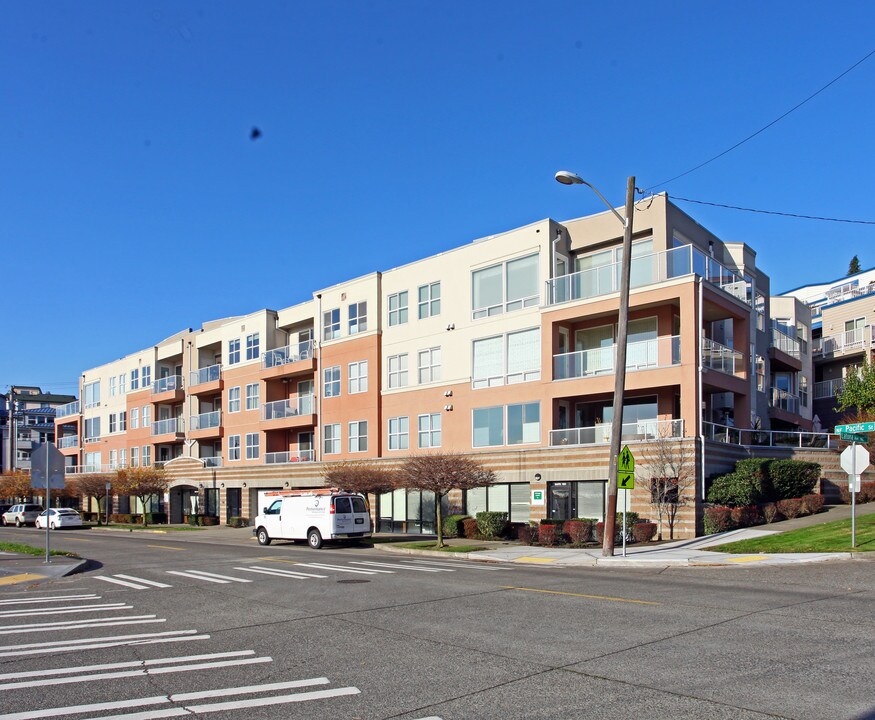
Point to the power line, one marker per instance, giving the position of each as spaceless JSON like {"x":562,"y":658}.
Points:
{"x":765,"y":127}
{"x":773,"y":212}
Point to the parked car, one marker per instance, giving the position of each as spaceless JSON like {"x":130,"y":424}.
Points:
{"x":19,"y":515}
{"x":58,"y":518}
{"x":314,"y":516}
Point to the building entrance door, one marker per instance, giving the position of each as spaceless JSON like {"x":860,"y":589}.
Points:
{"x":234,"y":501}
{"x":562,"y":500}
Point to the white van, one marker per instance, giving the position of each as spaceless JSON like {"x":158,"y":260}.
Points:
{"x":314,"y":516}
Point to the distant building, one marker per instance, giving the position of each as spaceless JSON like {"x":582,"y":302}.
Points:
{"x":27,"y":418}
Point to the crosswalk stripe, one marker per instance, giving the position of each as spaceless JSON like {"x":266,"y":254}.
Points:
{"x":289,"y":572}
{"x":107,"y":578}
{"x":220,"y":577}
{"x":401,"y":567}
{"x":80,"y":624}
{"x":36,"y":612}
{"x":56,"y":598}
{"x":56,"y":646}
{"x":288,"y":576}
{"x":319,"y":566}
{"x":143,"y":580}
{"x":197,"y":577}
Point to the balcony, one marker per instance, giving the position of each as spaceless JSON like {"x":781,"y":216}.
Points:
{"x":785,"y":342}
{"x":846,"y":343}
{"x":206,"y":425}
{"x":70,"y":441}
{"x":600,"y":434}
{"x":90,"y":468}
{"x":167,"y":389}
{"x":205,"y":380}
{"x":768,"y":438}
{"x":721,"y":358}
{"x":295,"y":407}
{"x":828,"y":388}
{"x":644,"y":355}
{"x":72,"y":408}
{"x":648,"y":270}
{"x":212,"y":461}
{"x":284,"y":458}
{"x":784,"y":400}
{"x":289,"y":360}
{"x":171,"y":426}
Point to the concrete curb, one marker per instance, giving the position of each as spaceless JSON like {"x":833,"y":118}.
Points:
{"x":435,"y":553}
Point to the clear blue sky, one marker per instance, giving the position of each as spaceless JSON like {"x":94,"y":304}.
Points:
{"x":134,"y":204}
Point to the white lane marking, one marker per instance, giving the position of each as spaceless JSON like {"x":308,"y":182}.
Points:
{"x":287,"y":576}
{"x":56,"y":598}
{"x":116,"y":581}
{"x":133,"y":673}
{"x":289,"y":572}
{"x":197,"y":577}
{"x":401,"y":567}
{"x":129,"y":664}
{"x":319,"y":566}
{"x":97,"y":644}
{"x":36,"y":612}
{"x":161,"y":699}
{"x":79,"y":624}
{"x":221,"y":577}
{"x":275,"y":700}
{"x":143,"y":580}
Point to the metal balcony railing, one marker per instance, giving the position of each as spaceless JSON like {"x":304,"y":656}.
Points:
{"x":785,"y":343}
{"x":282,"y":458}
{"x":205,"y":375}
{"x":828,"y":388}
{"x":717,"y":356}
{"x":171,"y":425}
{"x":279,"y":409}
{"x":784,"y":400}
{"x":205,"y":421}
{"x":72,"y":408}
{"x":847,"y":341}
{"x":172,"y":382}
{"x":643,"y":355}
{"x":601,"y":434}
{"x":768,"y":438}
{"x":288,"y":354}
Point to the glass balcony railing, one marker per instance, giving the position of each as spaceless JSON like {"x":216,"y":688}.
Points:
{"x":282,"y":458}
{"x":642,"y":355}
{"x":171,"y":425}
{"x":784,"y":400}
{"x":279,"y":409}
{"x":68,"y":409}
{"x":289,"y":354}
{"x":648,"y":270}
{"x":212,"y":461}
{"x":205,"y":421}
{"x":601,"y":434}
{"x":828,"y":388}
{"x":785,"y":343}
{"x":717,"y":356}
{"x":71,"y":441}
{"x":165,"y":384}
{"x":204,"y":375}
{"x":768,"y":438}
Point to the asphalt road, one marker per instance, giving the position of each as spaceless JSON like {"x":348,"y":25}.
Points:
{"x":222,"y":628}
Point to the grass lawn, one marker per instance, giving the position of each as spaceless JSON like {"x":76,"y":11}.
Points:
{"x":429,"y":545}
{"x":827,"y":537}
{"x":31,"y":550}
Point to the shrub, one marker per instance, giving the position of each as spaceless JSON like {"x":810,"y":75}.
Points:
{"x":579,"y":530}
{"x":770,"y":512}
{"x":453,"y":525}
{"x":209,"y":520}
{"x":813,"y":504}
{"x":156,"y":518}
{"x":790,"y":507}
{"x":746,"y":516}
{"x":717,"y":519}
{"x":238,"y":521}
{"x":194,"y":520}
{"x":866,"y":494}
{"x":547,"y":534}
{"x":491,"y":524}
{"x":644,"y":531}
{"x":737,"y":489}
{"x":469,"y":528}
{"x":793,"y":478}
{"x":123,"y":518}
{"x":528,"y":534}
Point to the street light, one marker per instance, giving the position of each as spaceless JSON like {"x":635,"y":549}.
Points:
{"x":569,"y":178}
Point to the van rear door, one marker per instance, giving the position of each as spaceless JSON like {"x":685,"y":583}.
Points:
{"x":360,"y":514}
{"x":343,"y":518}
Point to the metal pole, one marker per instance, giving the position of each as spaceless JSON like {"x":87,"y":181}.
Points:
{"x":619,"y":372}
{"x":48,"y":507}
{"x":853,"y":488}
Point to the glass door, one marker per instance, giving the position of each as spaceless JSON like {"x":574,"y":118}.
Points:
{"x":561,"y":501}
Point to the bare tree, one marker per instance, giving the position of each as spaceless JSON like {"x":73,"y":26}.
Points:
{"x":360,"y":477}
{"x":441,"y":472}
{"x":670,"y":467}
{"x":93,"y":487}
{"x":141,"y":483}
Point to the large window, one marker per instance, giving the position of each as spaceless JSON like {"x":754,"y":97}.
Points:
{"x":507,"y":359}
{"x":92,"y":394}
{"x":429,"y":365}
{"x":358,"y":317}
{"x":397,"y":371}
{"x":331,"y":324}
{"x":332,"y":439}
{"x":234,"y":351}
{"x":331,"y":384}
{"x":358,"y":436}
{"x":429,"y":300}
{"x":511,"y":498}
{"x":488,"y":426}
{"x":398,"y":308}
{"x":358,"y":377}
{"x":234,"y":399}
{"x":252,"y":446}
{"x":252,"y":396}
{"x":233,"y":447}
{"x":520,"y":423}
{"x":429,"y":430}
{"x":252,"y":346}
{"x":505,"y":287}
{"x":398,"y":433}
{"x":92,"y":429}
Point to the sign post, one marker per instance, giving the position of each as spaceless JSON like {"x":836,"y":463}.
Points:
{"x":47,"y":473}
{"x":105,"y":504}
{"x":854,"y":460}
{"x":625,"y":482}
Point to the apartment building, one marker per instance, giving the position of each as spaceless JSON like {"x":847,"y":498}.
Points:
{"x":843,"y":320}
{"x":503,"y":348}
{"x":27,"y":419}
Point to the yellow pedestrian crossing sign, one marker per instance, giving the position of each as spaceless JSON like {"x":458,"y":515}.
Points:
{"x":625,"y":462}
{"x":626,"y":481}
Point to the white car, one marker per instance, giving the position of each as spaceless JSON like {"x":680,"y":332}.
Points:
{"x":57,"y":518}
{"x":314,"y":516}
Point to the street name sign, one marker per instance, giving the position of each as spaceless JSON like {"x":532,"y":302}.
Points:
{"x":626,"y":481}
{"x":864,"y":427}
{"x":854,"y":437}
{"x":46,"y":456}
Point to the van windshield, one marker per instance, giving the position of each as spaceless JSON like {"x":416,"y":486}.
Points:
{"x":358,"y":505}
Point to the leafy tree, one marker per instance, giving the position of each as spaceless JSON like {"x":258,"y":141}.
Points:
{"x":141,"y":483}
{"x":15,"y":485}
{"x":854,"y":266}
{"x":858,"y":392}
{"x":441,"y":472}
{"x":93,"y":487}
{"x":670,"y":467}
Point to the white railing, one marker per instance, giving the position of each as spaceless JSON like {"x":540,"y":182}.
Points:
{"x":172,"y":382}
{"x":282,"y":458}
{"x":279,"y":409}
{"x":847,"y":341}
{"x":828,"y":388}
{"x":768,"y":438}
{"x":601,"y":434}
{"x":848,"y":292}
{"x":784,"y":400}
{"x":717,"y":356}
{"x":90,"y":468}
{"x":170,"y":425}
{"x":70,"y":441}
{"x":68,"y":409}
{"x":287,"y":354}
{"x":644,"y":355}
{"x":205,"y":375}
{"x":205,"y":421}
{"x":647,"y":270}
{"x":212,"y":461}
{"x":785,"y":343}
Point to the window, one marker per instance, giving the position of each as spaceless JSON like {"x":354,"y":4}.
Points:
{"x":358,"y":317}
{"x":92,"y":394}
{"x":331,"y":324}
{"x":135,"y":379}
{"x":112,"y":386}
{"x":113,"y":459}
{"x":429,"y":365}
{"x":113,"y":425}
{"x":803,"y":390}
{"x":488,"y":426}
{"x":92,"y":429}
{"x":252,"y":396}
{"x":507,"y":359}
{"x":523,"y":423}
{"x":122,"y":384}
{"x":123,"y":421}
{"x":233,"y":447}
{"x":358,"y":377}
{"x":234,"y":351}
{"x":512,"y":498}
{"x":123,"y":457}
{"x":146,"y":376}
{"x":430,"y":430}
{"x":147,"y":415}
{"x":146,"y":455}
{"x":761,"y":373}
{"x":331,"y":381}
{"x":252,"y":449}
{"x":505,"y":287}
{"x":332,"y":439}
{"x":252,"y":345}
{"x":398,"y":371}
{"x":429,"y":300}
{"x":234,"y":400}
{"x":398,"y":433}
{"x":358,"y":436}
{"x":398,"y":308}
{"x":135,"y":418}
{"x":135,"y":456}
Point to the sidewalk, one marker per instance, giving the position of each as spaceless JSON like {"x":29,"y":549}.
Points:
{"x":16,"y":568}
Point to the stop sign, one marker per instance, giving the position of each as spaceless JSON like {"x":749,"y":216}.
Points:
{"x":855,"y":459}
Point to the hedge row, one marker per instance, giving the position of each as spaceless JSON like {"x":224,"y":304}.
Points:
{"x":581,"y":531}
{"x":866,"y":494}
{"x":760,"y":480}
{"x":720,"y":518}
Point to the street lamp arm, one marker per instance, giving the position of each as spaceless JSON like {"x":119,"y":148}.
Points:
{"x":617,"y":215}
{"x":566,"y":177}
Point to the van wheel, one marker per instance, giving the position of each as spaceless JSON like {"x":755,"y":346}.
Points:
{"x":263,"y":537}
{"x":314,"y":539}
